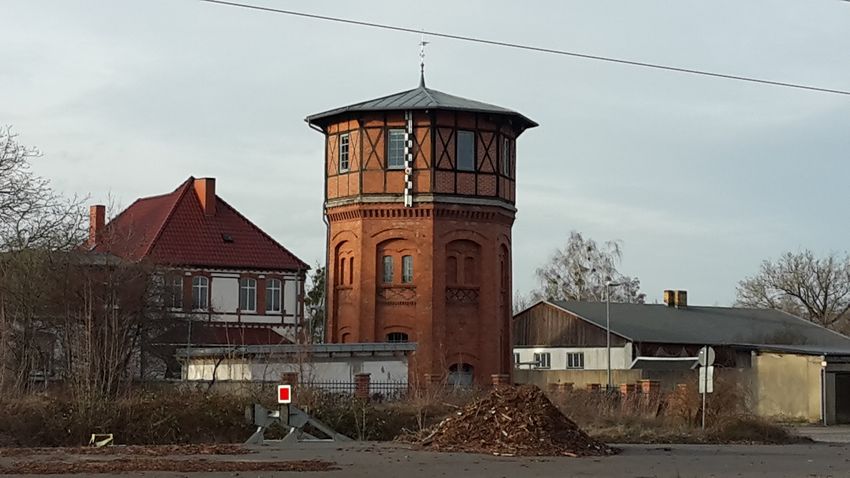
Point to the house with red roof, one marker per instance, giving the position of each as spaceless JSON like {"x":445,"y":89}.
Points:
{"x":233,"y":283}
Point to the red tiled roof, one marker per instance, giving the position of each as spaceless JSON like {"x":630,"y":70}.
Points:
{"x":203,"y":335}
{"x":172,"y":229}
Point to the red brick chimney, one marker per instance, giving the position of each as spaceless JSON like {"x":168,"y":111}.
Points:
{"x":205,"y":189}
{"x":97,"y":219}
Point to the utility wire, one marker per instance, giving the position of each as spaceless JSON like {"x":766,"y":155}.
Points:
{"x":533,"y":48}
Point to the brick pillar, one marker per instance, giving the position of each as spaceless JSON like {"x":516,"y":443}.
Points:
{"x":627,"y":389}
{"x":361,"y":385}
{"x":289,"y":378}
{"x":594,"y":387}
{"x":650,"y":386}
{"x":500,"y":379}
{"x":433,"y":381}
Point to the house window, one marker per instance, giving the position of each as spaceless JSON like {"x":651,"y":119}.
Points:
{"x":200,"y":293}
{"x":248,"y":295}
{"x":466,"y":151}
{"x":543,"y":360}
{"x":407,"y":269}
{"x":351,"y":270}
{"x":395,"y":149}
{"x":397,"y":337}
{"x":516,"y":359}
{"x":575,"y":359}
{"x":388,"y":270}
{"x":506,"y":157}
{"x":174,"y":292}
{"x":273,"y":296}
{"x":343,"y":153}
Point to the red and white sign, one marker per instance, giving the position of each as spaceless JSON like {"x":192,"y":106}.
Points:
{"x":284,"y":394}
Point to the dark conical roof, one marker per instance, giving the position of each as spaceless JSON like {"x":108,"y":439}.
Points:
{"x":421,"y":98}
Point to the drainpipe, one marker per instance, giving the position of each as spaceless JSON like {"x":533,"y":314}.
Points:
{"x":823,"y":390}
{"x":327,"y":231}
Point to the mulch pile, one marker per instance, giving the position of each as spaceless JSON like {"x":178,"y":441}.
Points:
{"x":123,"y":465}
{"x":512,"y":421}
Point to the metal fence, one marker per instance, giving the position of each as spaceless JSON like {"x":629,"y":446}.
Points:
{"x":378,"y":391}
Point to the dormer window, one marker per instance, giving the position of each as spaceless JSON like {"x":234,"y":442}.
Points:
{"x":465,"y":151}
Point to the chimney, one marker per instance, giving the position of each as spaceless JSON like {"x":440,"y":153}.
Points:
{"x":97,"y":219}
{"x":681,"y":299}
{"x":205,"y":189}
{"x":670,"y":298}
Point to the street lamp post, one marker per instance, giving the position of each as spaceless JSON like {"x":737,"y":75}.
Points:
{"x":608,"y":286}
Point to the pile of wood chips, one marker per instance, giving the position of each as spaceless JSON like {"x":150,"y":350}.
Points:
{"x":512,"y":421}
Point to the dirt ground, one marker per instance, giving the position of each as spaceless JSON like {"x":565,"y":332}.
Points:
{"x":384,"y":460}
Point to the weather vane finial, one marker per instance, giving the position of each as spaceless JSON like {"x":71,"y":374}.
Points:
{"x":422,"y":44}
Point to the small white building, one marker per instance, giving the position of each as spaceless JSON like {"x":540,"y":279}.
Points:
{"x":323,"y":365}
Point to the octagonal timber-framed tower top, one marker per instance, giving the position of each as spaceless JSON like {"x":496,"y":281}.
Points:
{"x":420,"y":145}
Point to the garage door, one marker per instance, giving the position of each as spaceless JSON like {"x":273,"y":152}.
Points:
{"x":842,"y":397}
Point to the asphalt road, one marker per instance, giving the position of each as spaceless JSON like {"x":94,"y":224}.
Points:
{"x":388,"y":460}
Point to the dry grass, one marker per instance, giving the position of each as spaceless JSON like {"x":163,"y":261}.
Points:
{"x":148,"y":418}
{"x":671,"y":417}
{"x":179,"y":416}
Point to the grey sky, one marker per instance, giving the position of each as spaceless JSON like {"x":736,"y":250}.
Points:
{"x":699,"y":178}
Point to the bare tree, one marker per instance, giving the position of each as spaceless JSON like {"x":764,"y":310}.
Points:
{"x":580,"y":270}
{"x":521,"y":301}
{"x":31,"y":213}
{"x":802,"y":284}
{"x":315,"y":303}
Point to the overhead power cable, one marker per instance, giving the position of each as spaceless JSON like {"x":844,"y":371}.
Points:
{"x":554,"y":51}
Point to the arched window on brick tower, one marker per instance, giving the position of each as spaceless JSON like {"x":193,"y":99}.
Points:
{"x":463,"y":266}
{"x":461,"y":375}
{"x":395,"y":287}
{"x":505,"y":309}
{"x":342,"y":282}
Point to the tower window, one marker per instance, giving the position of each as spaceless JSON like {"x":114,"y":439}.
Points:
{"x":407,"y":269}
{"x":506,"y":157}
{"x":395,"y":149}
{"x":388,"y":270}
{"x":397,"y":337}
{"x":466,"y":151}
{"x":343,"y":153}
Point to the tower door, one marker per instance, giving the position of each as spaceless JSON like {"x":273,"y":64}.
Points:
{"x":461,"y":375}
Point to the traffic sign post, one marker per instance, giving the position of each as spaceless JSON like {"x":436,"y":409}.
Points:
{"x":706,"y":375}
{"x":284,"y":398}
{"x":284,"y":394}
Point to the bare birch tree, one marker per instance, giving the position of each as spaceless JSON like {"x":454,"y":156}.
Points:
{"x":580,"y":270}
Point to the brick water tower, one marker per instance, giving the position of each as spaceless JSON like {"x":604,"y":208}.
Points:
{"x":419,"y":200}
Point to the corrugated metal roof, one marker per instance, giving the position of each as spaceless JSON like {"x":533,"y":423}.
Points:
{"x":708,"y":325}
{"x":420,"y":98}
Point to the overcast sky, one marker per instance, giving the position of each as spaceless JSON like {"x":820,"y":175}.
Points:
{"x":700,"y":178}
